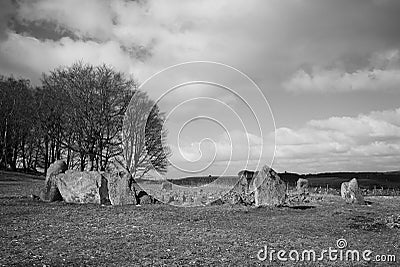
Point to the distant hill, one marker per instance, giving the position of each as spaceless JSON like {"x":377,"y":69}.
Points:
{"x":331,"y":179}
{"x":335,"y":179}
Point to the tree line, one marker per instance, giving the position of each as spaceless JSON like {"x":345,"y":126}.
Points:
{"x":77,"y":114}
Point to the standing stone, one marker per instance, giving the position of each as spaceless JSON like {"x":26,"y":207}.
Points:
{"x":302,"y":186}
{"x":351,"y":192}
{"x":50,"y":191}
{"x":240,"y":193}
{"x":83,"y":187}
{"x":118,"y":188}
{"x":245,"y":177}
{"x":269,"y":189}
{"x":242,"y":186}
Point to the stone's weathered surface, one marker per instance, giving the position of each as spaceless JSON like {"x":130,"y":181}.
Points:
{"x":54,"y":194}
{"x":83,"y":187}
{"x":351,"y":192}
{"x":119,"y":192}
{"x":269,"y":189}
{"x":121,"y":186}
{"x":241,"y":192}
{"x":167,"y":186}
{"x":242,"y":186}
{"x":248,"y":199}
{"x":50,"y":191}
{"x":232,"y":198}
{"x":302,"y":186}
{"x":235,"y":198}
{"x":245,"y":178}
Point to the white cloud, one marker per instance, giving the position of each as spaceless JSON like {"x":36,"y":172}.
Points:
{"x":239,"y":149}
{"x":361,"y":142}
{"x":363,"y":125}
{"x":150,"y":35}
{"x":42,"y":56}
{"x":382,"y":74}
{"x":89,"y":18}
{"x":252,"y":36}
{"x":235,"y":145}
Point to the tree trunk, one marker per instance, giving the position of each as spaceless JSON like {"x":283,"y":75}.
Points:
{"x":91,"y":159}
{"x":5,"y":145}
{"x":23,"y":154}
{"x":36,"y":157}
{"x":14,"y":158}
{"x":58,"y":149}
{"x":52,"y":150}
{"x":46,"y":156}
{"x":82,"y":161}
{"x":68,"y":157}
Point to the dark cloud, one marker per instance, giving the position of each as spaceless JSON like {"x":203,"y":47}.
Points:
{"x":41,"y":30}
{"x":7,"y":11}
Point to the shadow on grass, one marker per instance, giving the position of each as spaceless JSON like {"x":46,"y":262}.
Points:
{"x":301,"y":207}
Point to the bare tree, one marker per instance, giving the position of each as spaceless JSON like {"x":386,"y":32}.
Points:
{"x":95,"y":100}
{"x":143,"y":137}
{"x":78,"y":114}
{"x":15,"y":120}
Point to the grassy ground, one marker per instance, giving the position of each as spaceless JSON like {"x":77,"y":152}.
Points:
{"x":33,"y":233}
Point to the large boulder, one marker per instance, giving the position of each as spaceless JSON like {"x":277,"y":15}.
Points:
{"x":269,"y":189}
{"x":351,"y":193}
{"x":50,"y":191}
{"x":119,"y":191}
{"x":83,"y":187}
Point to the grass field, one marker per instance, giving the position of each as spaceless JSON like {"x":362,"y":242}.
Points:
{"x":33,"y":233}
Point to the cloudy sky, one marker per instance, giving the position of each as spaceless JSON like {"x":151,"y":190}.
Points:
{"x":329,"y":69}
